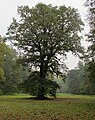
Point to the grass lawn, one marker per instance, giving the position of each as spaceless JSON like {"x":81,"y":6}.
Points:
{"x":65,"y":107}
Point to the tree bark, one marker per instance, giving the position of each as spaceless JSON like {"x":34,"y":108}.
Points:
{"x":42,"y":81}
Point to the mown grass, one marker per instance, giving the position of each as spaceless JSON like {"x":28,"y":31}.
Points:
{"x":65,"y":107}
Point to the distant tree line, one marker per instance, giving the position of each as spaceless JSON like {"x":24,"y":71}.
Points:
{"x":79,"y":80}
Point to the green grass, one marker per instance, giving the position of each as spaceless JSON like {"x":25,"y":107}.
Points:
{"x":65,"y":107}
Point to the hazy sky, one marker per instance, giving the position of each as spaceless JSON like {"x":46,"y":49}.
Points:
{"x":8,"y":10}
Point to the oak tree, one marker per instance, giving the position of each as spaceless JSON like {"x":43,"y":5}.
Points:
{"x":45,"y":34}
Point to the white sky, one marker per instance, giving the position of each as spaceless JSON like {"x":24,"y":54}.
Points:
{"x":8,"y":10}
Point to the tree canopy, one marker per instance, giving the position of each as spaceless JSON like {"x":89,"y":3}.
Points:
{"x":45,"y":34}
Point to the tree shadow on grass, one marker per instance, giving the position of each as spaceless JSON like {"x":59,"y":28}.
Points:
{"x":36,"y":98}
{"x":54,"y":99}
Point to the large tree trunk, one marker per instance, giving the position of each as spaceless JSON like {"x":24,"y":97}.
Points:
{"x":42,"y":91}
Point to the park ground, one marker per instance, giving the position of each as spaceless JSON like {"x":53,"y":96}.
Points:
{"x":64,"y":107}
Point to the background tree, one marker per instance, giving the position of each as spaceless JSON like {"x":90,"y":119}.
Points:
{"x":90,"y":4}
{"x":14,"y":73}
{"x":2,"y":53}
{"x":11,"y":73}
{"x":80,"y":80}
{"x":89,"y":80}
{"x":74,"y":80}
{"x":45,"y":34}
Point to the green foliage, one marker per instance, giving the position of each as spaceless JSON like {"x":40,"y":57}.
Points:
{"x":11,"y":73}
{"x":32,"y":85}
{"x":1,"y":73}
{"x":3,"y":50}
{"x":90,"y":4}
{"x":80,"y":80}
{"x":90,"y":58}
{"x":74,"y":81}
{"x":90,"y":77}
{"x":1,"y":92}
